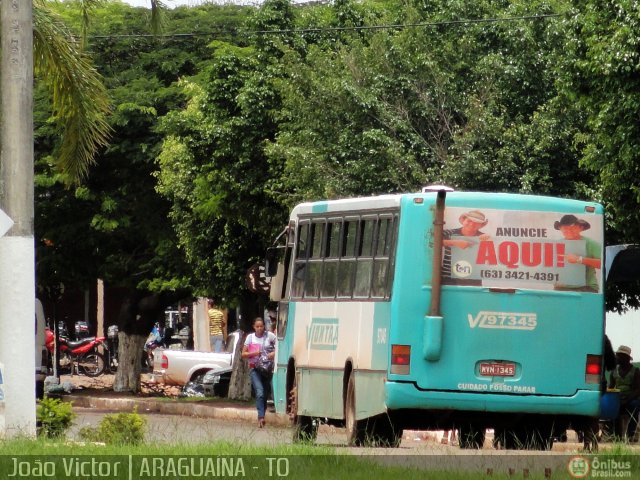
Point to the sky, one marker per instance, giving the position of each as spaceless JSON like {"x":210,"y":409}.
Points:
{"x":625,"y":330}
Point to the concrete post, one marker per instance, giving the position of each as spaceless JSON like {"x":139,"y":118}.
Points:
{"x":17,"y":265}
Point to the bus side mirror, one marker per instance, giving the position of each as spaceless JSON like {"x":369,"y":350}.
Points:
{"x":277,"y":282}
{"x":271,"y":262}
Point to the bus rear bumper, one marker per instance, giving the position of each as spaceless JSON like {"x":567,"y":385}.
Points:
{"x":401,"y":396}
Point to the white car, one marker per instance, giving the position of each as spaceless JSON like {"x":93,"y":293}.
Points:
{"x":179,"y":367}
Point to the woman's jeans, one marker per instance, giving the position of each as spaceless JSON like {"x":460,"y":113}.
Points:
{"x":261,"y":388}
{"x":217,"y":343}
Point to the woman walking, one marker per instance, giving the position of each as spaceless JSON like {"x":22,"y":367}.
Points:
{"x":259,"y":350}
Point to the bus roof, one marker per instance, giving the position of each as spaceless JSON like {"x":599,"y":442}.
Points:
{"x":479,"y":199}
{"x":348,"y":204}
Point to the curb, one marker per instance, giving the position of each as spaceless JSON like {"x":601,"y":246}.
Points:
{"x":145,"y":406}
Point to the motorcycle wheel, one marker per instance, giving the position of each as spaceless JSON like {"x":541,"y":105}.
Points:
{"x":91,"y":364}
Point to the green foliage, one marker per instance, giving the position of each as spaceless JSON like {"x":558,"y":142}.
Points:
{"x":115,"y":225}
{"x":213,"y":166}
{"x":79,"y":102}
{"x":117,"y":429}
{"x":223,"y":133}
{"x":600,"y":74}
{"x":464,"y":104}
{"x":54,"y":416}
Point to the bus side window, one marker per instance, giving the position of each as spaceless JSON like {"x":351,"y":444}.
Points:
{"x":347,"y":264}
{"x":297,"y":286}
{"x":365,"y":258}
{"x":381,"y":261}
{"x":332,"y":253}
{"x":314,"y":263}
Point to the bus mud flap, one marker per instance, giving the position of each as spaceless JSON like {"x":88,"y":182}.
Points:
{"x":432,"y":338}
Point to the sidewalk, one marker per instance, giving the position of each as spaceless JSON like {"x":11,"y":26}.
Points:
{"x":98,"y":393}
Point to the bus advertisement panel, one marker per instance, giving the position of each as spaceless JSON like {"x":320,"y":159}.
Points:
{"x":539,"y":250}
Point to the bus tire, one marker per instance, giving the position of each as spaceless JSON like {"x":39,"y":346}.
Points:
{"x":538,"y":437}
{"x":304,"y":429}
{"x":356,"y":429}
{"x":506,"y":438}
{"x":383,"y":433}
{"x":471,"y":437}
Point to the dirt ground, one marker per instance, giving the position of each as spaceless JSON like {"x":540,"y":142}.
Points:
{"x":103,"y":385}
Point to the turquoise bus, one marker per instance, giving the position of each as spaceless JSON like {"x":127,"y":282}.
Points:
{"x":439,"y":310}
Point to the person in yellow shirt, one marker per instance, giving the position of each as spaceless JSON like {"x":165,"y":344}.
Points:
{"x":216,"y":327}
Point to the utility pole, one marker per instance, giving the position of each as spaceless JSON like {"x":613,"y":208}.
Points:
{"x":17,"y":262}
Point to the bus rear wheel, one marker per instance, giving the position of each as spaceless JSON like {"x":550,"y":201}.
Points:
{"x":382,"y":432}
{"x":471,"y":436}
{"x":356,"y":429}
{"x":524,"y":437}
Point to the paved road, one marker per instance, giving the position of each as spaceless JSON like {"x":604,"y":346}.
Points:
{"x":420,"y":450}
{"x":194,"y":430}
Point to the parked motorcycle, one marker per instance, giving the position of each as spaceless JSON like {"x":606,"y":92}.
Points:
{"x":154,"y":341}
{"x":158,"y":338}
{"x":112,"y":353}
{"x":82,"y":355}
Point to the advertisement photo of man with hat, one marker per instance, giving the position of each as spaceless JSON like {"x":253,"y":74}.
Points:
{"x":471,"y":222}
{"x":626,"y":379}
{"x":571,"y":228}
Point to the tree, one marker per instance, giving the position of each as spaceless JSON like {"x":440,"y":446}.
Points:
{"x":79,"y":100}
{"x":465,"y":104}
{"x":213,"y":166}
{"x":118,"y":215}
{"x":601,"y":75}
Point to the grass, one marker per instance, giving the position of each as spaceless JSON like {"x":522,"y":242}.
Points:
{"x":293,"y":461}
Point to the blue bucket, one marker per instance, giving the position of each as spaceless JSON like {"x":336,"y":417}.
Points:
{"x":609,"y":405}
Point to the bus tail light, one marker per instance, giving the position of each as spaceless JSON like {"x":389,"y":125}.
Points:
{"x":400,"y":359}
{"x":593,"y":369}
{"x":165,"y":362}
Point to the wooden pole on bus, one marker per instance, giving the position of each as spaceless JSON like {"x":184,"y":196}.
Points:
{"x":436,"y":272}
{"x":433,"y":321}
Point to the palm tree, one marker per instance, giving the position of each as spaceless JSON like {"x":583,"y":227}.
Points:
{"x":79,"y":99}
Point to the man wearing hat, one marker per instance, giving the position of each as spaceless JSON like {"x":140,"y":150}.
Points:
{"x":571,"y":228}
{"x":626,"y":378}
{"x":471,"y":222}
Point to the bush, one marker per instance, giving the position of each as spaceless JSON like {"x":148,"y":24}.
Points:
{"x":117,"y":429}
{"x":54,"y":417}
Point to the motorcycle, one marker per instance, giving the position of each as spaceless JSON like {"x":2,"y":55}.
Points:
{"x":158,"y":338}
{"x":112,"y":353}
{"x":81,"y":355}
{"x":154,"y":341}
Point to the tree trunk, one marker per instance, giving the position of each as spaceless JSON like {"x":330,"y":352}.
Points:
{"x":139,"y":312}
{"x":130,"y":349}
{"x":240,"y":383}
{"x":249,"y":310}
